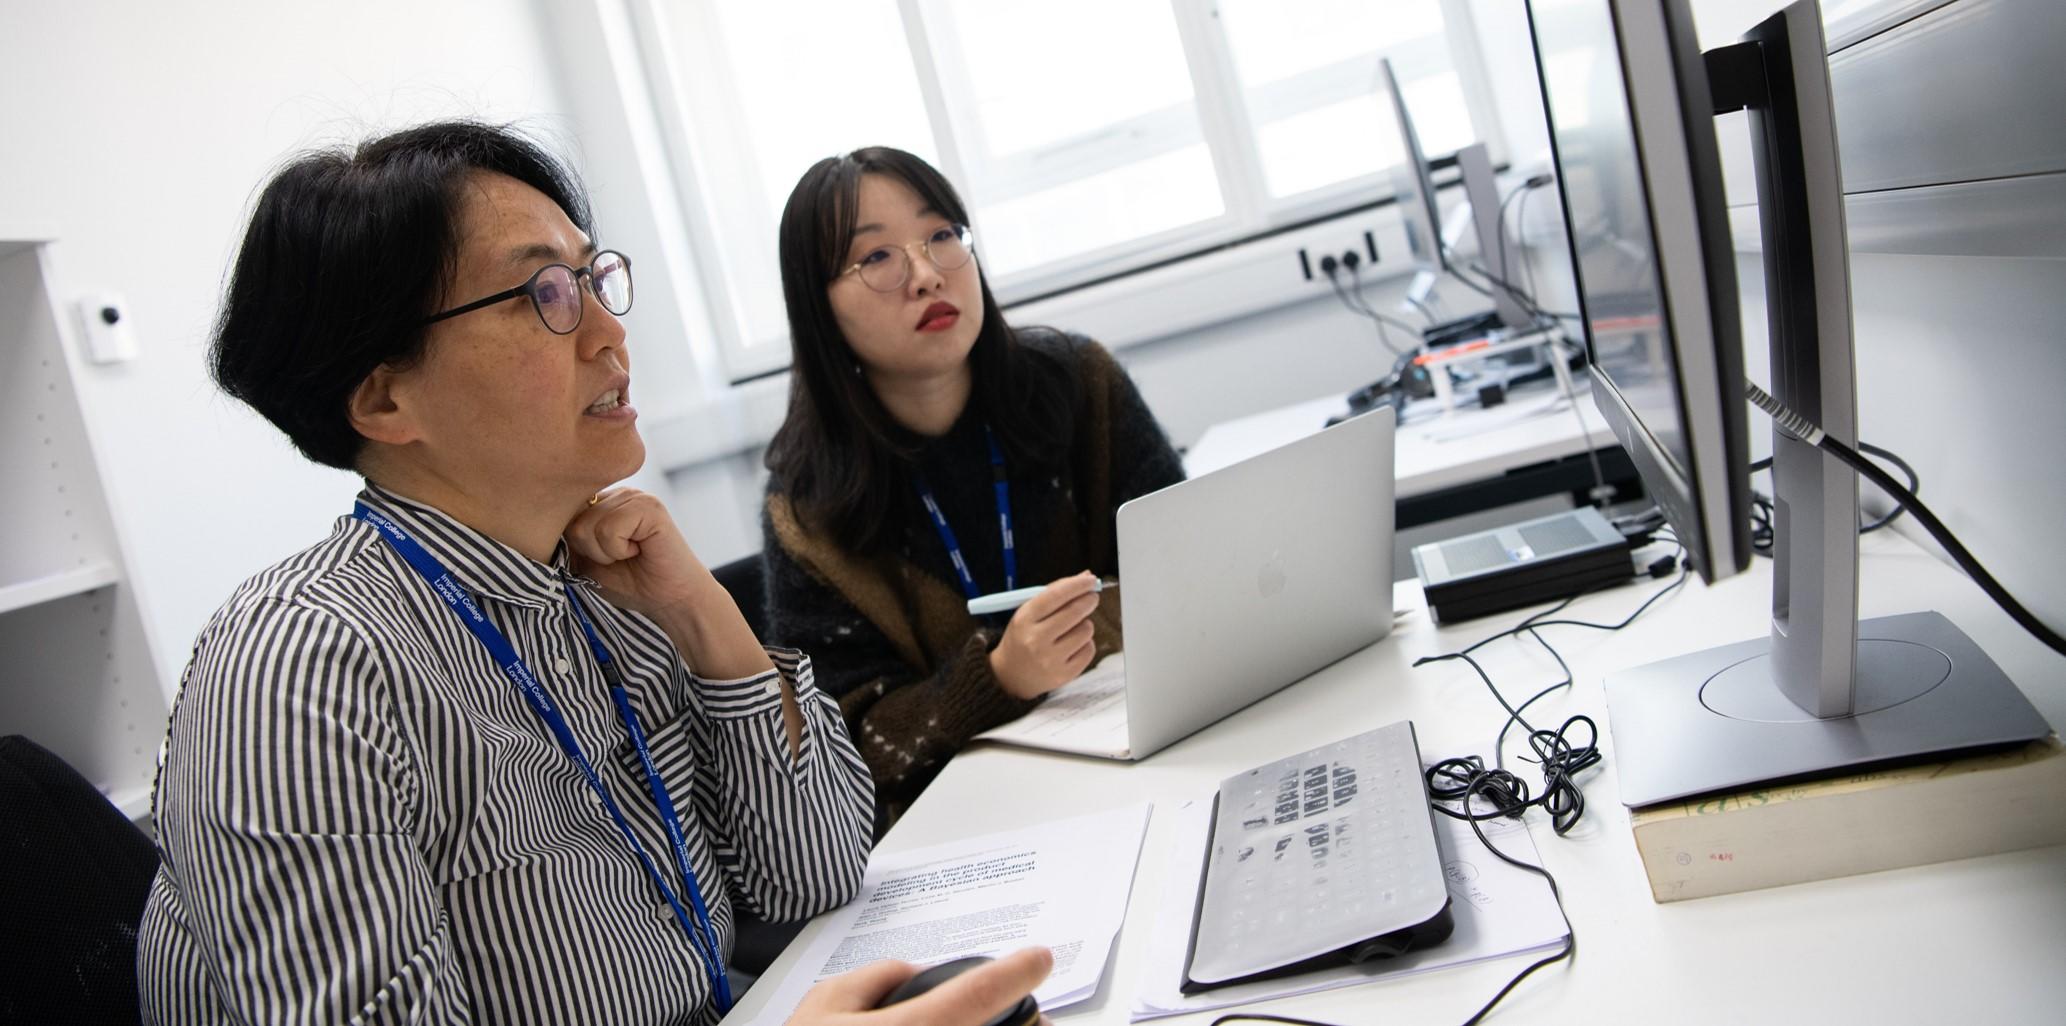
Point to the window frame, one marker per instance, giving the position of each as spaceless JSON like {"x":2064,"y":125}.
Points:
{"x":694,"y":98}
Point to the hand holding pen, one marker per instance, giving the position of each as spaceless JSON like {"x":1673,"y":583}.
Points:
{"x":1050,"y":640}
{"x":1006,"y":601}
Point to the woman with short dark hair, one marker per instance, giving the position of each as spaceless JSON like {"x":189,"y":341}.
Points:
{"x":931,"y":454}
{"x":499,"y":748}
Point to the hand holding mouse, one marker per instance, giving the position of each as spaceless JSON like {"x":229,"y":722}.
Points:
{"x":982,"y":992}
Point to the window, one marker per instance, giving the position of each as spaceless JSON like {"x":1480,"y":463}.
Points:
{"x":1054,"y":125}
{"x":1309,"y":78}
{"x":1089,"y":137}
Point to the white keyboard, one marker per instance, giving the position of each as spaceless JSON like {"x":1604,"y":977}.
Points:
{"x":1319,"y":859}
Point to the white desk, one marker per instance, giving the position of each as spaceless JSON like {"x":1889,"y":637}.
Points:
{"x":1971,"y":941}
{"x":1434,"y":452}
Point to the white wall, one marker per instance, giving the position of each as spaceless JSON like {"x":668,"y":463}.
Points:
{"x":137,"y":134}
{"x":1957,"y":295}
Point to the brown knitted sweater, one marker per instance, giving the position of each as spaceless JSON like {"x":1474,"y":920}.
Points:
{"x":889,"y":631}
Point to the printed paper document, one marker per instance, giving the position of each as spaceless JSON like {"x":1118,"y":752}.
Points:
{"x":1062,"y":884}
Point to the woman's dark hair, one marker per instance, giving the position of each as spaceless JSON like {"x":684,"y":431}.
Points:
{"x":839,"y":456}
{"x":346,"y":255}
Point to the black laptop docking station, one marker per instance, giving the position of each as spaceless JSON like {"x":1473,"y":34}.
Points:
{"x":1527,"y":563}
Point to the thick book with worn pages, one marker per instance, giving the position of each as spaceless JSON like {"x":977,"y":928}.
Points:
{"x":1861,"y":823}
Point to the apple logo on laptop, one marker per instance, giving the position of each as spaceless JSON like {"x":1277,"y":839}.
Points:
{"x":1270,"y":579}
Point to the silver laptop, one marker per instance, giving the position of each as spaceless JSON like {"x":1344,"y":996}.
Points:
{"x":1233,"y":585}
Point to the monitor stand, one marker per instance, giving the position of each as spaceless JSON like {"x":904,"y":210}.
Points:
{"x":1823,"y":692}
{"x":1716,"y":720}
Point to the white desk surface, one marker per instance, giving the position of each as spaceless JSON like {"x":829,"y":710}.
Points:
{"x":1433,"y":451}
{"x":1976,"y":940}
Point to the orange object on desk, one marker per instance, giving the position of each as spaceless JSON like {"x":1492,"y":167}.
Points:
{"x":1452,"y":352}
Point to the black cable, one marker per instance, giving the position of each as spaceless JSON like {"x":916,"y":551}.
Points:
{"x":1361,"y":303}
{"x":1424,"y":311}
{"x":1914,"y":484}
{"x":1260,"y":1017}
{"x":1341,"y":293}
{"x":1521,"y":229}
{"x":1452,"y":779}
{"x":1762,"y":533}
{"x":1761,"y":536}
{"x":1561,"y":761}
{"x":1518,"y":190}
{"x":1806,"y":430}
{"x":1465,"y":780}
{"x":1356,"y":288}
{"x":1536,"y":621}
{"x":1569,"y":950}
{"x":1458,"y":266}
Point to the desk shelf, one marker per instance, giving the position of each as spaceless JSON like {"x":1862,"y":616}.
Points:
{"x":77,"y":674}
{"x":23,"y":594}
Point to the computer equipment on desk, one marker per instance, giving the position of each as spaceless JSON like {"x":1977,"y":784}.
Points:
{"x":1234,"y":585}
{"x":1533,"y":561}
{"x":1487,"y":381}
{"x":1242,"y":581}
{"x":1323,"y":858}
{"x":1463,"y":329}
{"x":1408,"y":380}
{"x":1421,"y":216}
{"x":1639,"y":170}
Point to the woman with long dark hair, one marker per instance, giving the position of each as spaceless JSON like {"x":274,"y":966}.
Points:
{"x":932,"y":453}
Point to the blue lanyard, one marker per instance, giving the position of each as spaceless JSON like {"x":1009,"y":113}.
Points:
{"x":528,"y":685}
{"x":1003,"y":489}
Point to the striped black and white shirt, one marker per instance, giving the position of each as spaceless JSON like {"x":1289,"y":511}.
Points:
{"x":361,"y":820}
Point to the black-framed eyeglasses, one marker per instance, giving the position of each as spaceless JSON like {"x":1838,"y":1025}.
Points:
{"x":555,"y":292}
{"x":887,"y":268}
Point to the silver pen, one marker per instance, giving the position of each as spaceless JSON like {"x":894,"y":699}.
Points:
{"x":1005,"y":601}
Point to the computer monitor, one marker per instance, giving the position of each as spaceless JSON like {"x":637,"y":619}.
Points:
{"x":1421,"y":216}
{"x":1415,"y":190}
{"x":1631,"y":99}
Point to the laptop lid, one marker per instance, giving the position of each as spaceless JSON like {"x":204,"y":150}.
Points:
{"x":1239,"y":582}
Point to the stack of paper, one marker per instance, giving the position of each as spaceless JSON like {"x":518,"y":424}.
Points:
{"x":1063,"y":885}
{"x":1499,"y":910}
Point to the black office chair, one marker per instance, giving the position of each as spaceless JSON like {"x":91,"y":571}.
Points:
{"x":74,"y":873}
{"x":743,"y":578}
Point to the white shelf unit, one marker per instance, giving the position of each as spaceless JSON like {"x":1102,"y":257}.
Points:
{"x":77,"y":674}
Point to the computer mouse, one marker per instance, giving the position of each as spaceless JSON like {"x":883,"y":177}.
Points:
{"x":1025,"y":1013}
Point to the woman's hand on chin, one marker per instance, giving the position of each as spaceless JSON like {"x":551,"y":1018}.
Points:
{"x":628,"y":544}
